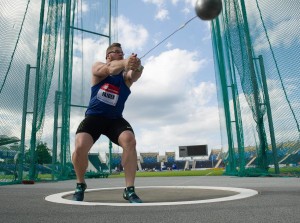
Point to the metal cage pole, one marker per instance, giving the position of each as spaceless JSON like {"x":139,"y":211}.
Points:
{"x":35,"y":107}
{"x":259,"y":116}
{"x":269,"y":112}
{"x":217,"y":42}
{"x":23,"y":130}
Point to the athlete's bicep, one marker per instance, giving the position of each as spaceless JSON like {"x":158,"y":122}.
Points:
{"x":100,"y":70}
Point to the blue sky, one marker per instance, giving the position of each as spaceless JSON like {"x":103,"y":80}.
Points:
{"x":160,"y":18}
{"x":175,"y":101}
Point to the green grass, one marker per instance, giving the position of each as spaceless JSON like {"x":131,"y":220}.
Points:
{"x":284,"y":171}
{"x":287,"y":171}
{"x":209,"y":172}
{"x":8,"y":177}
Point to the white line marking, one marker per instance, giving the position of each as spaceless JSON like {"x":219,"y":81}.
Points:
{"x":243,"y":193}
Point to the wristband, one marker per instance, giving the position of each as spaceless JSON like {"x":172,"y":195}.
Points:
{"x":140,"y":68}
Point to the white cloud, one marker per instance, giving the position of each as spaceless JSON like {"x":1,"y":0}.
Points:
{"x":186,"y":10}
{"x":85,"y":7}
{"x":11,"y":18}
{"x":169,"y":45}
{"x":168,"y":73}
{"x":169,"y":107}
{"x":279,"y":28}
{"x":204,"y":92}
{"x":158,"y":3}
{"x":190,"y":3}
{"x":133,"y":36}
{"x":200,"y":127}
{"x":280,"y":34}
{"x":163,"y":7}
{"x":161,"y":11}
{"x":165,"y":100}
{"x":162,"y":14}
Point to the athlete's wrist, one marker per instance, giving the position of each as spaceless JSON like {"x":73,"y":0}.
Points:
{"x":140,"y":68}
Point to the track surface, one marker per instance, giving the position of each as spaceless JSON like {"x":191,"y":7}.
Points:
{"x":278,"y":200}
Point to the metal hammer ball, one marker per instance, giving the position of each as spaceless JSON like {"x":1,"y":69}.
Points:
{"x":208,"y":9}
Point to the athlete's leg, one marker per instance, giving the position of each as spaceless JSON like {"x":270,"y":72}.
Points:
{"x":83,"y":144}
{"x":87,"y":133}
{"x":121,"y":133}
{"x":129,"y":157}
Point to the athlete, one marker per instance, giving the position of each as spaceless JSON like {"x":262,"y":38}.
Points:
{"x":111,"y":82}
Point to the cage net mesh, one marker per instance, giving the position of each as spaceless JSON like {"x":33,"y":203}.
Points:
{"x":257,"y":53}
{"x":50,"y":42}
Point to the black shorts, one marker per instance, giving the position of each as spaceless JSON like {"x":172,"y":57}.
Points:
{"x":97,"y":125}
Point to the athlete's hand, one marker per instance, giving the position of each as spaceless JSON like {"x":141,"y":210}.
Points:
{"x":133,"y":62}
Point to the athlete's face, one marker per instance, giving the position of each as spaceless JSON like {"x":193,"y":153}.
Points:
{"x":115,"y":54}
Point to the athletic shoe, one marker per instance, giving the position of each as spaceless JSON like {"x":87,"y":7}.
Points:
{"x":79,"y":192}
{"x":130,"y":195}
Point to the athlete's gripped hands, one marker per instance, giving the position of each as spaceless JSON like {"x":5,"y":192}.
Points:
{"x":132,"y":69}
{"x":133,"y":62}
{"x":114,"y":65}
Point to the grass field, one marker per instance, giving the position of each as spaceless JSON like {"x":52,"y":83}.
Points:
{"x":208,"y":172}
{"x":288,"y":172}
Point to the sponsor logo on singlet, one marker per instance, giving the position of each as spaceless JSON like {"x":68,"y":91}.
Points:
{"x":108,"y":94}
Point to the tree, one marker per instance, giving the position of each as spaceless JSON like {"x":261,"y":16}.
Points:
{"x":43,"y":154}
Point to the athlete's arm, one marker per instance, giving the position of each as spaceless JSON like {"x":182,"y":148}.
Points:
{"x":113,"y":67}
{"x":102,"y":70}
{"x":132,"y":76}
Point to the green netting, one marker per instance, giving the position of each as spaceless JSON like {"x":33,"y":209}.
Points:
{"x":39,"y":41}
{"x":257,"y":54}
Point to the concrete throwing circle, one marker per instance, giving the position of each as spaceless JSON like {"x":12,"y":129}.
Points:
{"x":155,"y":196}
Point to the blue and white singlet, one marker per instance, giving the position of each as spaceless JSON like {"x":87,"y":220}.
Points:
{"x":108,"y":97}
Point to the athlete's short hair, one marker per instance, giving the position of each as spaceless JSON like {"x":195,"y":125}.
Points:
{"x":111,"y":47}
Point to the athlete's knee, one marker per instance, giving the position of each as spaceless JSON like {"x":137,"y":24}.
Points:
{"x":127,"y":140}
{"x":83,"y":144}
{"x":80,"y":150}
{"x":130,"y":144}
